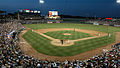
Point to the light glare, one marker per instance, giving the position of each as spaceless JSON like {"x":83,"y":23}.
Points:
{"x":41,"y":1}
{"x":118,"y":1}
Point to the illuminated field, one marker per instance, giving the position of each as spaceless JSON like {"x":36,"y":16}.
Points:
{"x":43,"y":45}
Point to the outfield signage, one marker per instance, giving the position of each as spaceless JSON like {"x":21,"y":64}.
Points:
{"x":117,"y":25}
{"x":106,"y":24}
{"x":108,"y":18}
{"x":95,"y":23}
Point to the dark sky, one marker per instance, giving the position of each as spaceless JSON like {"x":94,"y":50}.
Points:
{"x":71,"y":7}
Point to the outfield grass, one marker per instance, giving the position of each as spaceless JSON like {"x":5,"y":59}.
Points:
{"x":72,"y":25}
{"x":42,"y":44}
{"x":74,"y":35}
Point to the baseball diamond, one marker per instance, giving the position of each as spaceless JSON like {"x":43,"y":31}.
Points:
{"x":45,"y":39}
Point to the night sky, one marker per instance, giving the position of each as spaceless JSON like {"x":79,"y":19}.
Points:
{"x":100,"y":8}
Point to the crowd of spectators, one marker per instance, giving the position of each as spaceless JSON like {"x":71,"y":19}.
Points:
{"x":114,"y":22}
{"x":11,"y":56}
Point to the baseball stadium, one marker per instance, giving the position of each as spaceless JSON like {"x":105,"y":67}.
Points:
{"x":57,"y":44}
{"x":60,"y":34}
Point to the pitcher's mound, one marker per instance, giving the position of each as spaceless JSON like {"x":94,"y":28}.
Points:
{"x":67,"y":34}
{"x":66,"y":43}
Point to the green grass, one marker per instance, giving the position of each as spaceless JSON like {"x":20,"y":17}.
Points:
{"x":43,"y":45}
{"x":72,"y":25}
{"x":74,"y":35}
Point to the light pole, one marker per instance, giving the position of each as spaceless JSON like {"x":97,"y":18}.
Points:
{"x":41,"y":3}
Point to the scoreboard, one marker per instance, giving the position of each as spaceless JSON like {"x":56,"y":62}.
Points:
{"x":53,"y":13}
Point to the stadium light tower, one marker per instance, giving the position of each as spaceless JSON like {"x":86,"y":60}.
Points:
{"x":118,"y":1}
{"x":41,"y":1}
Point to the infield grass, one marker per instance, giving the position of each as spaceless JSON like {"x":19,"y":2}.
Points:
{"x":74,"y":35}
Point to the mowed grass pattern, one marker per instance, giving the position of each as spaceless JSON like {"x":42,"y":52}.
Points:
{"x":72,"y":25}
{"x":43,"y":45}
{"x":74,"y":35}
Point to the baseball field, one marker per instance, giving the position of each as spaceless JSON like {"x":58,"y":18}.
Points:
{"x":77,"y":38}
